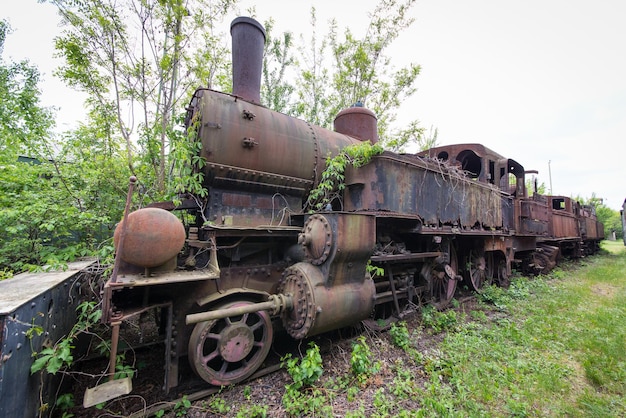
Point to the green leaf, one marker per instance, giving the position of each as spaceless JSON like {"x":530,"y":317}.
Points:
{"x":39,"y":363}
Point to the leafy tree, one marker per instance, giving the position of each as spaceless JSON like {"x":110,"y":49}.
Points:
{"x":276,"y":91}
{"x":312,"y":92}
{"x":138,"y":60}
{"x":611,"y":220}
{"x":361,"y":73}
{"x":44,"y":199}
{"x":23,"y":121}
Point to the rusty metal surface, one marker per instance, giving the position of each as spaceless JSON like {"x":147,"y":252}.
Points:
{"x":357,"y":122}
{"x":532,"y":216}
{"x":153,"y":237}
{"x":248,"y":39}
{"x":234,"y":208}
{"x":318,"y":308}
{"x":264,"y":148}
{"x":563,"y":222}
{"x":590,"y":227}
{"x":336,"y":291}
{"x":438,"y":194}
{"x":342,"y":246}
{"x":46,"y":300}
{"x":132,"y":280}
{"x":563,"y":225}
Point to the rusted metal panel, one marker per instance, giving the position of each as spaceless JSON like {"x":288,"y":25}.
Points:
{"x":498,"y":244}
{"x":532,"y":227}
{"x":592,"y":229}
{"x":409,"y":185}
{"x":599,"y":228}
{"x":533,"y":217}
{"x":534,"y":210}
{"x":563,"y":225}
{"x":524,"y":243}
{"x":46,"y":300}
{"x":248,"y":209}
{"x":508,"y":213}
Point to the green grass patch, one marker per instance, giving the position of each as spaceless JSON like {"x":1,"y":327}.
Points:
{"x":560,"y":350}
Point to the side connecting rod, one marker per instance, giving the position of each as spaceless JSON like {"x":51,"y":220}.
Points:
{"x":275,"y":304}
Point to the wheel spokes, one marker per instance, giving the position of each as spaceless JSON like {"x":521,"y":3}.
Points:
{"x":213,"y":354}
{"x":226,"y":351}
{"x":477,"y":270}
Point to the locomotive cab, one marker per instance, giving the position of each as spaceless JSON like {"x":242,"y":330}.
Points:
{"x":476,"y":160}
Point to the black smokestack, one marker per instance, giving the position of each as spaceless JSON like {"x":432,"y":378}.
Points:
{"x":248,"y":43}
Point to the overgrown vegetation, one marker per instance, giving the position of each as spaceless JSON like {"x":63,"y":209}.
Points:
{"x":331,"y":184}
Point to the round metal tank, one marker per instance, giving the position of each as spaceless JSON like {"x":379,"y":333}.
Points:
{"x":358,"y":122}
{"x":153,"y":237}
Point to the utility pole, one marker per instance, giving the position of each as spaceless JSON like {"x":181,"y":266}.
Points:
{"x":550,"y":176}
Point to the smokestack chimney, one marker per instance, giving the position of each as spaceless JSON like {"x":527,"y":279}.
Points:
{"x":248,"y":43}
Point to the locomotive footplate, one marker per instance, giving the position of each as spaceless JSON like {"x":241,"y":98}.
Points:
{"x":402,"y":258}
{"x":138,"y":280}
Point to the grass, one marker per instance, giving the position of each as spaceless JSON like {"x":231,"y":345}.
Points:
{"x":558,"y":350}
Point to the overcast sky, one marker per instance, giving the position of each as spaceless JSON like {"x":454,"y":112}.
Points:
{"x":539,"y":81}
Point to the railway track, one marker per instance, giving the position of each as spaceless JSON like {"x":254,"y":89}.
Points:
{"x":145,"y":400}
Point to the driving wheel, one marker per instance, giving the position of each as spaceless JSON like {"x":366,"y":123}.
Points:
{"x":480,"y":274}
{"x":443,"y":283}
{"x":228,"y":350}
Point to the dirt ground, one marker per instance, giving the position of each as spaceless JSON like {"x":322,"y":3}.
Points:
{"x":147,"y":396}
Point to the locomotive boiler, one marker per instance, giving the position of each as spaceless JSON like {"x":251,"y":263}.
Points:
{"x":226,"y":270}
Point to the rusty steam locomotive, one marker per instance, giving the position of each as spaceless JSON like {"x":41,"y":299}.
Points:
{"x":251,"y":260}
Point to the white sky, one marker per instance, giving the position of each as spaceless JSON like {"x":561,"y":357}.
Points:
{"x":539,"y":81}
